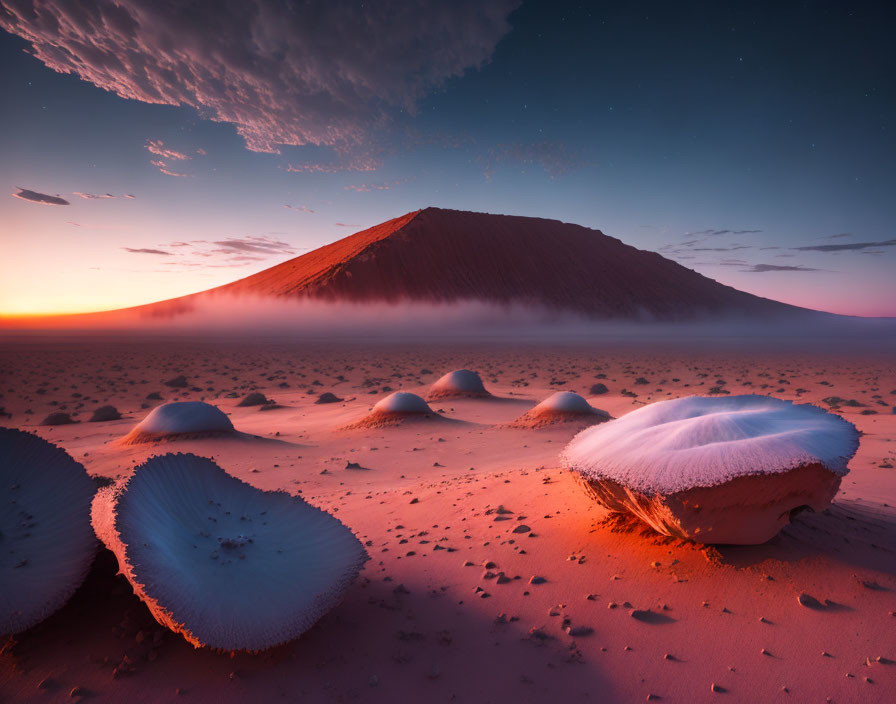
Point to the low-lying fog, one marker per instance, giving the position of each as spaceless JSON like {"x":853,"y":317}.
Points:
{"x":290,"y":318}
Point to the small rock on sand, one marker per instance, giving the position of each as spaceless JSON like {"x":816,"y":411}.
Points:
{"x":105,"y":413}
{"x":57,"y":418}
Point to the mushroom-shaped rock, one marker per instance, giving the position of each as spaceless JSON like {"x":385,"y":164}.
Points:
{"x":725,"y":470}
{"x":395,"y":409}
{"x":183,"y":419}
{"x":105,"y":413}
{"x":225,"y":564}
{"x":256,"y":398}
{"x":46,"y":543}
{"x":461,"y":383}
{"x":561,"y":407}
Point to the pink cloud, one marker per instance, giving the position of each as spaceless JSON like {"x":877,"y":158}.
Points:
{"x":364,"y":187}
{"x":157,"y":147}
{"x":101,"y":196}
{"x":322,"y":75}
{"x":163,"y":167}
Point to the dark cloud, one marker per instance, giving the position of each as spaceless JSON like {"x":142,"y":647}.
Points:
{"x":733,"y":248}
{"x":146,"y":250}
{"x":848,"y":247}
{"x":837,"y":236}
{"x":35,"y":197}
{"x":762,"y":268}
{"x":723,"y":232}
{"x":259,"y":244}
{"x":554,"y":158}
{"x":319,"y":73}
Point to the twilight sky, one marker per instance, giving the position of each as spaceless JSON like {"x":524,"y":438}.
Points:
{"x":153,"y":148}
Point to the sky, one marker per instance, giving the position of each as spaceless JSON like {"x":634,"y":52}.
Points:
{"x":157,"y":148}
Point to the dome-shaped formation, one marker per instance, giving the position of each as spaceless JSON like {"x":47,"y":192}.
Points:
{"x":256,"y":398}
{"x":461,"y":383}
{"x":105,"y":413}
{"x":561,"y":407}
{"x":225,"y":564}
{"x":46,"y":543}
{"x":396,"y":408}
{"x":180,"y":419}
{"x":716,"y":470}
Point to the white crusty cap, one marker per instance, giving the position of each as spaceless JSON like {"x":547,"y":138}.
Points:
{"x":46,"y":542}
{"x":698,"y":441}
{"x":226,"y":564}
{"x":402,"y":402}
{"x":565,"y":402}
{"x":184,"y":417}
{"x":460,"y":380}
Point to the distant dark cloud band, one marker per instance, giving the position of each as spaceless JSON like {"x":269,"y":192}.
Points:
{"x":847,"y":247}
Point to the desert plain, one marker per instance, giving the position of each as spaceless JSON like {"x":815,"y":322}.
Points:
{"x":493,"y":576}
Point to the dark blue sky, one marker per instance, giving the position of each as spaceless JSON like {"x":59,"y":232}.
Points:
{"x":751,"y":142}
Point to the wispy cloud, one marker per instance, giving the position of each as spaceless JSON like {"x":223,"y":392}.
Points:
{"x":846,"y":247}
{"x":712,"y":233}
{"x":261,"y":244}
{"x":157,"y":147}
{"x":838,"y":236}
{"x":163,"y":167}
{"x":146,"y":250}
{"x":299,"y":208}
{"x":385,"y":186}
{"x":554,"y":158}
{"x":36,"y":197}
{"x":102,"y":196}
{"x":347,"y":159}
{"x":763,"y":268}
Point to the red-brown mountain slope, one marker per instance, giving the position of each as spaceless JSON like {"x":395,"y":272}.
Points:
{"x":436,"y":255}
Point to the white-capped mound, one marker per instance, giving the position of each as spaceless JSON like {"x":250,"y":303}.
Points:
{"x":565,"y":402}
{"x":402,"y":402}
{"x":461,"y":383}
{"x":46,"y":542}
{"x":225,"y":564}
{"x":395,"y":409}
{"x":178,"y":420}
{"x":729,"y":470}
{"x":561,"y":407}
{"x":697,"y":441}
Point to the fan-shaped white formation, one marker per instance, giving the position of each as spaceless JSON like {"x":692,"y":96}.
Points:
{"x":225,"y":564}
{"x":178,"y":420}
{"x":461,"y":383}
{"x":561,"y":407}
{"x":717,"y":470}
{"x":46,"y":543}
{"x":395,"y":409}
